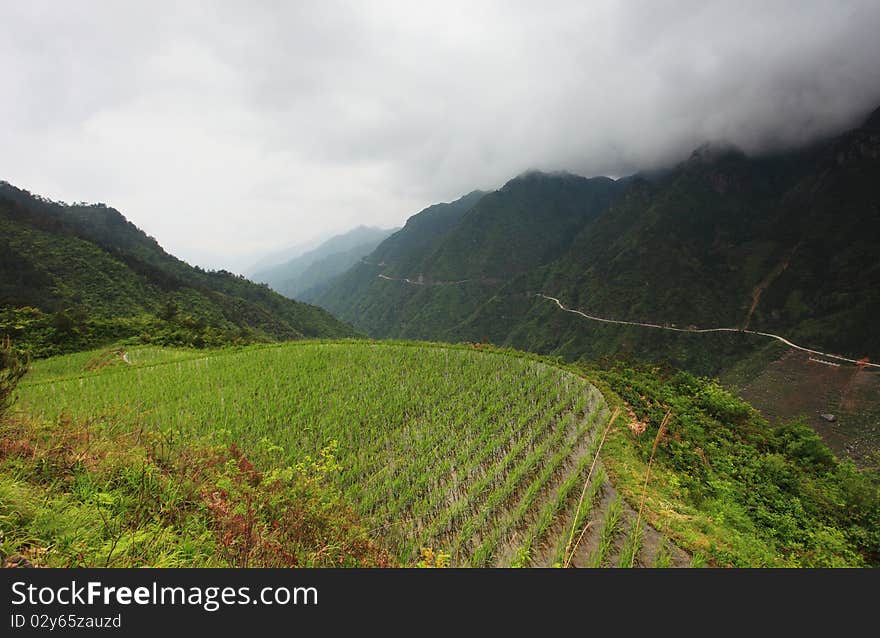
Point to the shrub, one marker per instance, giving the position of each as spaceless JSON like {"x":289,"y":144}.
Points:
{"x":12,"y":369}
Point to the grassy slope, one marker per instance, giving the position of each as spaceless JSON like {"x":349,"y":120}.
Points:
{"x":75,"y":495}
{"x":725,"y":484}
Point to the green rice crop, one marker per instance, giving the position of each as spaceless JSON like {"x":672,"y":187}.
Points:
{"x":447,"y":447}
{"x":609,"y":531}
{"x":632,"y":545}
{"x":663,"y":558}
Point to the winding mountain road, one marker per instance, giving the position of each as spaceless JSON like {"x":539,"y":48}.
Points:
{"x":704,"y":330}
{"x":656,"y":326}
{"x":415,"y":282}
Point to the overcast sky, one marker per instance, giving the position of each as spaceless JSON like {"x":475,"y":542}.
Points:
{"x":229,"y":130}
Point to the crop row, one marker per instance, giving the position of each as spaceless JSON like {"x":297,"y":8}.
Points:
{"x":447,"y":447}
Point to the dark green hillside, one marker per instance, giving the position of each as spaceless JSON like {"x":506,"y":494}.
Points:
{"x":77,"y":276}
{"x":526,"y":224}
{"x":520,"y":320}
{"x":831,"y":289}
{"x":403,"y":252}
{"x":360,"y":297}
{"x":783,"y":244}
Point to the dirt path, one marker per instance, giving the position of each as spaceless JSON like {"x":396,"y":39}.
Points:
{"x":421,"y":281}
{"x":424,"y":281}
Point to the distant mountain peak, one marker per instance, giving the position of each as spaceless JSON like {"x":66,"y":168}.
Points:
{"x":332,"y":257}
{"x":531,"y":177}
{"x":363,"y":227}
{"x":536,"y":174}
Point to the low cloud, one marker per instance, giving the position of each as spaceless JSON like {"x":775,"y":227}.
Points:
{"x":227,"y":130}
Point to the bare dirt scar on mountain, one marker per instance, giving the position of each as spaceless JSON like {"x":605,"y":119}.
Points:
{"x":797,"y":385}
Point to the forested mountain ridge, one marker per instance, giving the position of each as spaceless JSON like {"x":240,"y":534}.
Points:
{"x":359,"y":293}
{"x":405,"y":249}
{"x":463,"y":252}
{"x":781,"y":242}
{"x":80,"y":275}
{"x":523,"y":225}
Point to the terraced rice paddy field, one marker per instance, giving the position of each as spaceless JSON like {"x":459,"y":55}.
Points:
{"x":489,"y":457}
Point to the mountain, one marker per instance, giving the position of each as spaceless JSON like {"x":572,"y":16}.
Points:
{"x":404,"y":248}
{"x":462,"y":252}
{"x":280,"y":256}
{"x":783,"y":243}
{"x":314,"y":267}
{"x":525,"y":224}
{"x":74,"y":276}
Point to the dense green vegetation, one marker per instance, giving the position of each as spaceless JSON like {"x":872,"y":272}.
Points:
{"x":72,"y":494}
{"x":199,"y":441}
{"x":465,"y":250}
{"x":360,"y":296}
{"x":528,"y":222}
{"x":485,"y":457}
{"x":696,"y":246}
{"x":79,"y":276}
{"x":730,"y":486}
{"x":445,"y":444}
{"x":12,"y":369}
{"x":783,"y":243}
{"x":403,"y":252}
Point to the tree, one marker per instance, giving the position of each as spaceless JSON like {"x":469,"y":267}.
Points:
{"x":169,"y":311}
{"x":68,"y":322}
